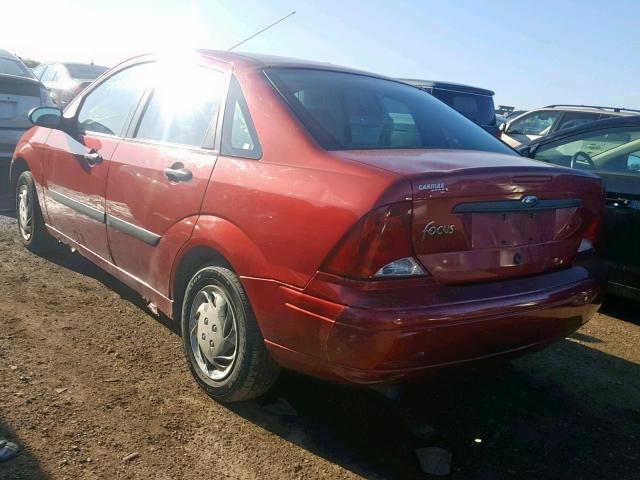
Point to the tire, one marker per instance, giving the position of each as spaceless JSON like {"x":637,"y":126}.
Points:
{"x":31,"y":229}
{"x":216,"y":314}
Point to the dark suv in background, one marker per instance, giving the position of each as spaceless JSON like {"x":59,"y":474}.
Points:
{"x":65,"y":80}
{"x":474,"y":103}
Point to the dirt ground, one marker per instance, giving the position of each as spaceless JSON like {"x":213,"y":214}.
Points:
{"x":88,"y":376}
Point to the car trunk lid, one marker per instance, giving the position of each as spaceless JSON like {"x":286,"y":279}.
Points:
{"x":480,"y":216}
{"x":18,"y":95}
{"x":489,"y":223}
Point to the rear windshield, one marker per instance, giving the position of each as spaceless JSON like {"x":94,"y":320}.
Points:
{"x":85,"y":72}
{"x":477,"y":108}
{"x":345,"y":111}
{"x":9,"y":66}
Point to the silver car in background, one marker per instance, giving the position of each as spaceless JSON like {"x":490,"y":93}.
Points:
{"x":20,"y":91}
{"x":65,"y":80}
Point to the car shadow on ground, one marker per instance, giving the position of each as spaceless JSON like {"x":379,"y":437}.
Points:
{"x":568,"y":412}
{"x":23,"y":467}
{"x":536,"y":418}
{"x":62,"y":256}
{"x":621,"y":308}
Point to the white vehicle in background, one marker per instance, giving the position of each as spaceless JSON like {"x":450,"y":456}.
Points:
{"x":538,"y":123}
{"x":20,"y":91}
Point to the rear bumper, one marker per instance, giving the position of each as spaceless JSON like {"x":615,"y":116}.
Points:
{"x":624,"y":279}
{"x":399,"y":354}
{"x":386,"y":337}
{"x":9,"y":138}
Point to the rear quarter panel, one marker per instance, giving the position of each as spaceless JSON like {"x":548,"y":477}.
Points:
{"x":297,"y":201}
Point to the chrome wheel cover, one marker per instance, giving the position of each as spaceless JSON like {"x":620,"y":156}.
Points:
{"x":25,"y":212}
{"x":213,"y":332}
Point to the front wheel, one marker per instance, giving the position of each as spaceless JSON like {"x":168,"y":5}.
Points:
{"x":33,"y":233}
{"x":222,"y":342}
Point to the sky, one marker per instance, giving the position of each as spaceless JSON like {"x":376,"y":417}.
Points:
{"x":531,"y":53}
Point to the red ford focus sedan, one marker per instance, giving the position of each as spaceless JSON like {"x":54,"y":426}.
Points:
{"x":302,"y":215}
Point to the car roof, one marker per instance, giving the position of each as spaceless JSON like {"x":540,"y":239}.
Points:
{"x":5,"y":54}
{"x":260,"y":61}
{"x":457,"y":87}
{"x":622,"y":121}
{"x":591,"y":109}
{"x":78,"y":64}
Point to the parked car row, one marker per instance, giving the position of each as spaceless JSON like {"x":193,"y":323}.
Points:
{"x":293,"y":214}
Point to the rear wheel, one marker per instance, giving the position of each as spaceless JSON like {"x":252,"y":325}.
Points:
{"x":222,"y":342}
{"x":33,"y":233}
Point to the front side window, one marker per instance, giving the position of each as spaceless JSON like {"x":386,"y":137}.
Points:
{"x":345,"y":111}
{"x":49,"y":74}
{"x":39,"y":70}
{"x":538,"y":123}
{"x":182,"y":106}
{"x":106,"y":109}
{"x":239,"y":137}
{"x":610,"y":150}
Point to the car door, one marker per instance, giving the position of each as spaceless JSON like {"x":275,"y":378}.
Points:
{"x":621,"y":239}
{"x":159,"y":174}
{"x":613,"y":154}
{"x":529,"y":127}
{"x":77,"y":161}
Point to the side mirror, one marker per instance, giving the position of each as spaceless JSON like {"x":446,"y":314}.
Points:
{"x":49,"y":117}
{"x":503,"y":127}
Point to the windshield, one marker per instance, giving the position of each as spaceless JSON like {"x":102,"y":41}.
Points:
{"x":85,"y":72}
{"x":477,"y":108}
{"x":345,"y":111}
{"x":9,"y":66}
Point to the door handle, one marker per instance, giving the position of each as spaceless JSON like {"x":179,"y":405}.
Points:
{"x":617,"y":202}
{"x":177,"y":173}
{"x":93,"y":158}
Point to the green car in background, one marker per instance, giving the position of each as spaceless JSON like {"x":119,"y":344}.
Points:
{"x":611,"y":149}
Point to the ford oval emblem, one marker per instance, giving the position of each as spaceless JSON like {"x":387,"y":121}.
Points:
{"x":530,"y":201}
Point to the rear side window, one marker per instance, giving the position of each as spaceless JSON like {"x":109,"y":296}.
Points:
{"x":107,"y":108}
{"x":345,"y":111}
{"x":576,"y":119}
{"x":182,"y":107}
{"x":9,"y":66}
{"x":477,"y":108}
{"x":239,"y":137}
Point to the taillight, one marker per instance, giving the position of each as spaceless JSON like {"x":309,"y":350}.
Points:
{"x":378,"y":246}
{"x":591,"y":235}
